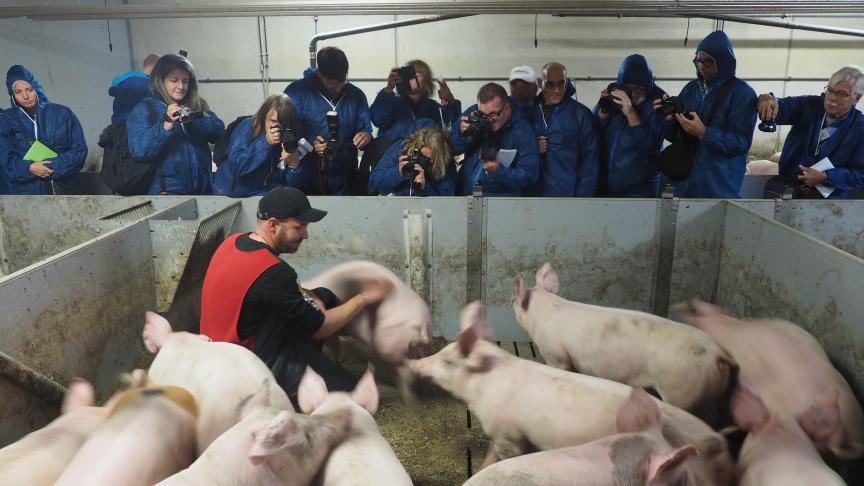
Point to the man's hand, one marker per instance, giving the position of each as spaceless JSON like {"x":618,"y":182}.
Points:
{"x":319,"y":145}
{"x":39,"y":168}
{"x":767,"y":107}
{"x":542,"y":144}
{"x":491,"y":166}
{"x":274,"y":135}
{"x":463,"y":124}
{"x":444,"y":93}
{"x":692,"y":126}
{"x":811,"y":176}
{"x":362,"y":139}
{"x":392,"y":80}
{"x":657,"y":104}
{"x":292,"y":160}
{"x":375,"y":290}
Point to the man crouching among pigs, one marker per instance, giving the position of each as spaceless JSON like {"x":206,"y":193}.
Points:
{"x":251,"y":297}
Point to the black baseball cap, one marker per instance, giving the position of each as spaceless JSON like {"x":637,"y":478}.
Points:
{"x":287,"y":202}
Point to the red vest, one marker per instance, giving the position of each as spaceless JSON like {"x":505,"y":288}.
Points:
{"x":230,"y":275}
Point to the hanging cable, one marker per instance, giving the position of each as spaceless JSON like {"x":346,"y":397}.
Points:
{"x":535,"y":31}
{"x":687,"y":33}
{"x":108,"y":26}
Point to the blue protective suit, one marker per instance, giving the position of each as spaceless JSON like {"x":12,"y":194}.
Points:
{"x":844,"y":148}
{"x":507,"y":181}
{"x":183,"y":153}
{"x":571,"y":164}
{"x":312,"y":105}
{"x":54,"y":125}
{"x":396,"y":115}
{"x":718,"y":170}
{"x":128,"y":90}
{"x":251,"y":167}
{"x":628,"y":155}
{"x":386,"y":179}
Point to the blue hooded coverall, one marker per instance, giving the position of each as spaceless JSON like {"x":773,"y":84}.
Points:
{"x":396,"y":116}
{"x":128,"y":90}
{"x":251,"y":168}
{"x":386,"y":179}
{"x":718,"y":170}
{"x":54,"y":125}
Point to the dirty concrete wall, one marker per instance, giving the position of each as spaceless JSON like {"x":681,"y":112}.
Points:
{"x":838,"y":223}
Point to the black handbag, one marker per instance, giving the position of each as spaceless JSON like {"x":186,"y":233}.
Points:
{"x":676,"y":160}
{"x":776,"y":186}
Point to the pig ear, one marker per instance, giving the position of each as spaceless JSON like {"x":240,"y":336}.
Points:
{"x":520,"y":291}
{"x":547,"y":278}
{"x":748,"y":409}
{"x":474,"y":317}
{"x":365,"y":393}
{"x":280,"y":432}
{"x":639,"y":413}
{"x":311,"y":392}
{"x":79,"y":393}
{"x":822,"y":418}
{"x":665,"y":469}
{"x":467,"y":339}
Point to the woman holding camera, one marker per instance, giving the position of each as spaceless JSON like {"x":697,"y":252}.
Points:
{"x":422,"y":165}
{"x":257,"y":155}
{"x":172,"y":129}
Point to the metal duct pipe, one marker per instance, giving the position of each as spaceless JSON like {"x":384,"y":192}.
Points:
{"x":313,"y":44}
{"x":442,"y":7}
{"x":483,"y":79}
{"x":785,"y":25}
{"x":30,"y":379}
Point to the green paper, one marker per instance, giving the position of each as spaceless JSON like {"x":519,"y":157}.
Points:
{"x":39,"y":151}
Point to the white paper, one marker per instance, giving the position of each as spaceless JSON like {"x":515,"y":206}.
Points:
{"x":822,"y":166}
{"x":506,"y":157}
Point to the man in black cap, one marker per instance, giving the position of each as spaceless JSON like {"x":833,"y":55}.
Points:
{"x":251,"y":297}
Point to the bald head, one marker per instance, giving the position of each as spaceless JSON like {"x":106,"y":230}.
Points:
{"x":554,"y":77}
{"x":149,"y":62}
{"x":555,"y":68}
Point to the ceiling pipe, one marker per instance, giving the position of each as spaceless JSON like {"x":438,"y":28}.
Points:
{"x":785,"y":25}
{"x":313,"y":44}
{"x":667,"y":8}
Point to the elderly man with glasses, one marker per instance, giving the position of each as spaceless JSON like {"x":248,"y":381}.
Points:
{"x":824,"y":126}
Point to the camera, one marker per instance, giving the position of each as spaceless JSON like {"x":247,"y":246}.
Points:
{"x":488,"y":152}
{"x":607,"y":103}
{"x":478,"y":127}
{"x":289,"y":139}
{"x":768,"y":126}
{"x":333,"y":142}
{"x":187,"y":114}
{"x":414,"y":159}
{"x":407,"y":73}
{"x":671,"y":106}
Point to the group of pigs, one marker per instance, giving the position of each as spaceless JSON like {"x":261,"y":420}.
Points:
{"x":211,"y":413}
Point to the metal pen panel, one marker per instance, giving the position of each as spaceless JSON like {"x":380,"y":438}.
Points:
{"x":838,"y":223}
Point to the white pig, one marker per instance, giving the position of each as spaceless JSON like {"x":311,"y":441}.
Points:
{"x":684,"y":365}
{"x":526,"y":406}
{"x":364,"y":458}
{"x":221,"y":376}
{"x":397,"y":327}
{"x":41,"y":456}
{"x":776,"y":452}
{"x":637,"y":455}
{"x":149,"y":436}
{"x":269,"y":447}
{"x":792,"y":373}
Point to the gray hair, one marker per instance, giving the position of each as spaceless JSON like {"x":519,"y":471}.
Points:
{"x":850,"y":72}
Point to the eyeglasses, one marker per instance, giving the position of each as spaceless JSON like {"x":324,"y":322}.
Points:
{"x":495,"y":114}
{"x":704,"y":62}
{"x":837,"y":95}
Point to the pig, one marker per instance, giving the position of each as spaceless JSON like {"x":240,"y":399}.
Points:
{"x":396,"y":328}
{"x":364,"y":458}
{"x":525,"y":406}
{"x":775,"y":157}
{"x":269,"y":447}
{"x":41,"y":456}
{"x":221,"y":376}
{"x":762,"y":167}
{"x":148,"y":436}
{"x":776,"y":452}
{"x":684,"y":365}
{"x":792,"y":373}
{"x":637,"y":455}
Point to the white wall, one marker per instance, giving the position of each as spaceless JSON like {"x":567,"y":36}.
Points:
{"x":72,"y":61}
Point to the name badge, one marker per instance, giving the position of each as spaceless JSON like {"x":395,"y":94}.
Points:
{"x":824,"y":134}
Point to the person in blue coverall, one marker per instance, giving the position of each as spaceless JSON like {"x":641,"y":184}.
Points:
{"x":438,"y":179}
{"x":329,"y":170}
{"x":630,"y":134}
{"x":823,"y":126}
{"x":128,"y":89}
{"x":566,"y":137}
{"x":509,"y":134}
{"x":724,"y":141}
{"x":32,"y":117}
{"x":257,"y":160}
{"x":159,"y":135}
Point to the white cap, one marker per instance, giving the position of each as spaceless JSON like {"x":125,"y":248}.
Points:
{"x":524,"y":73}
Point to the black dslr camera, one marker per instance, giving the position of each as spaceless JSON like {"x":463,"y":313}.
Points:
{"x":607,"y":103}
{"x":416,"y":158}
{"x":333,"y":142}
{"x":289,"y":139}
{"x":406,"y":74}
{"x":671,"y":106}
{"x":188,"y":114}
{"x":478,"y":127}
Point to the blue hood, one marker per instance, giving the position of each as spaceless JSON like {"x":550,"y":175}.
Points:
{"x":636,"y":70}
{"x":718,"y":46}
{"x":20,"y":73}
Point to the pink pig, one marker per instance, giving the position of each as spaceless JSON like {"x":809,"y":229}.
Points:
{"x":684,"y":365}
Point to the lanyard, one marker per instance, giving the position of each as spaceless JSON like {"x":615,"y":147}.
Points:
{"x":819,"y":135}
{"x":330,"y":102}
{"x":35,"y":125}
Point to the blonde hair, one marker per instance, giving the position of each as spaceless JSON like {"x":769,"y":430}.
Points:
{"x":421,"y":67}
{"x":163,"y":67}
{"x":438,"y":142}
